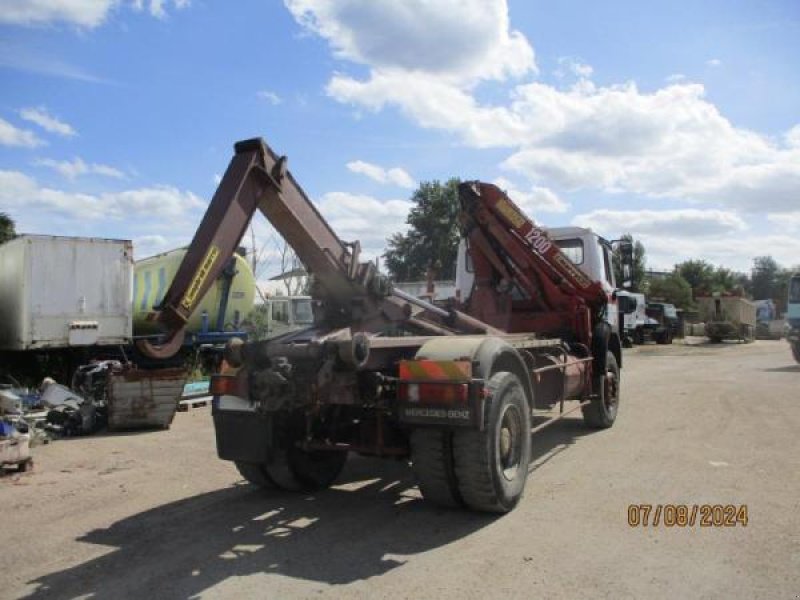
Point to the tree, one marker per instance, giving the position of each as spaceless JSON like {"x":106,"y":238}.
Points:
{"x":432,"y":238}
{"x":765,"y":277}
{"x":672,"y":289}
{"x":727,"y":280}
{"x":7,"y":228}
{"x":639,"y":264}
{"x":699,"y":274}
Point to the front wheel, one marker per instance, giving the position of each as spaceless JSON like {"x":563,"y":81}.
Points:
{"x":796,"y":351}
{"x":491,"y":466}
{"x":601,"y":412}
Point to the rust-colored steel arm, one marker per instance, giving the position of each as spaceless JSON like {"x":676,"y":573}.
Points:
{"x":355,"y":295}
{"x":256,"y":179}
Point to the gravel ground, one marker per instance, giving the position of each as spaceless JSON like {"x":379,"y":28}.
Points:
{"x":156,"y":514}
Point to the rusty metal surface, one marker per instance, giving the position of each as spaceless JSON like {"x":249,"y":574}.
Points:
{"x":144,"y":398}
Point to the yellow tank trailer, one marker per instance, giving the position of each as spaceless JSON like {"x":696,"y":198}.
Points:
{"x":153,"y":275}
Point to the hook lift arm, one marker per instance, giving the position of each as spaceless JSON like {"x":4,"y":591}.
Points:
{"x":352,"y":294}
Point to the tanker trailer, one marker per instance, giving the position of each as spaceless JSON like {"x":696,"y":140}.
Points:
{"x":217,"y":317}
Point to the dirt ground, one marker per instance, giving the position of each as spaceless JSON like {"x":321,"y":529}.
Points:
{"x":156,"y":514}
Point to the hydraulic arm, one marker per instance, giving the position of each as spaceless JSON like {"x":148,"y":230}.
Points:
{"x":510,"y":251}
{"x":348,"y":294}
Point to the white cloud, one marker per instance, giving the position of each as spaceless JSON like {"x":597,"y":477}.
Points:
{"x":786,"y":222}
{"x":714,"y":62}
{"x":567,"y":65}
{"x":41,"y":117}
{"x":364,"y":218}
{"x":270,"y":97}
{"x":81,"y":13}
{"x":536,"y":199}
{"x":671,"y":142}
{"x":14,"y":136}
{"x":159,"y":203}
{"x":394,"y":175}
{"x":685,"y":222}
{"x":457,"y":40}
{"x":77,"y":167}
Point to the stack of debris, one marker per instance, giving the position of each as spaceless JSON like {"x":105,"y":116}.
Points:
{"x":14,"y":440}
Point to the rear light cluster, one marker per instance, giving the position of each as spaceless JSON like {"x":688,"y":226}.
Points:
{"x":224,"y":385}
{"x":437,"y":393}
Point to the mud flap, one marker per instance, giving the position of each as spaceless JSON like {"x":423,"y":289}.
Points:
{"x":600,"y":341}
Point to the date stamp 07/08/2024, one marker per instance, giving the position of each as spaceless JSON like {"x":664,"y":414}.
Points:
{"x":687,"y":515}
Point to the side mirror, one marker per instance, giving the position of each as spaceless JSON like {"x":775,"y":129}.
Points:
{"x":626,"y":261}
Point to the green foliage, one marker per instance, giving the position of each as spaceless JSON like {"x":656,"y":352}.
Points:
{"x":699,"y":274}
{"x":256,"y":323}
{"x":766,"y":278}
{"x":432,"y":238}
{"x":673,"y":289}
{"x":639,"y":265}
{"x":7,"y":228}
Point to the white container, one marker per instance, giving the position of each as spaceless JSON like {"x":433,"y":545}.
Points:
{"x":57,"y":292}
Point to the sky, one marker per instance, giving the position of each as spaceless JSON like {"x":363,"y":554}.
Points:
{"x":677,"y":122}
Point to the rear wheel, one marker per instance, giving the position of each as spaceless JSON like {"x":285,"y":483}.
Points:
{"x":602,"y":411}
{"x":432,"y":461}
{"x":293,"y":468}
{"x":796,"y":351}
{"x":491,"y":466}
{"x":256,"y":475}
{"x":298,"y":470}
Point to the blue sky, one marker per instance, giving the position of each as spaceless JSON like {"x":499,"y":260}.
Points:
{"x":678,"y":122}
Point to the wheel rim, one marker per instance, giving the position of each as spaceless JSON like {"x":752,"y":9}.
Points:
{"x":509,"y":442}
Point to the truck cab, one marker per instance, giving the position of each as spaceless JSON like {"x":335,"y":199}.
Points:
{"x":588,"y":251}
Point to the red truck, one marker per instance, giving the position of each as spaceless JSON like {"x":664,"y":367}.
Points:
{"x":452,"y":386}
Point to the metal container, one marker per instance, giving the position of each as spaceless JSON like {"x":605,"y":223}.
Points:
{"x":57,"y":292}
{"x":140,"y":399}
{"x":153,"y":276}
{"x":734,"y":309}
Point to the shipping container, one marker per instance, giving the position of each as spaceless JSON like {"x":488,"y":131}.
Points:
{"x":61,"y":292}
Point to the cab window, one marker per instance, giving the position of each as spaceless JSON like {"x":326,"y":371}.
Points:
{"x":573,"y":248}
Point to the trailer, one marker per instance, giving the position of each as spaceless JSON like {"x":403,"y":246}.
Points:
{"x":62,"y":300}
{"x":727,"y":317}
{"x":379,"y":372}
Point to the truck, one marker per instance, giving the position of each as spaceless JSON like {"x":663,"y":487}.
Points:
{"x":727,"y":317}
{"x":644,"y":321}
{"x":769,"y":325}
{"x":793,"y":316}
{"x":662,"y":321}
{"x":380,"y":372}
{"x":63,"y":298}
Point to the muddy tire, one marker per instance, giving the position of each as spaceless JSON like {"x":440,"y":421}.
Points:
{"x":256,"y":475}
{"x":602,"y":411}
{"x":491,"y":466}
{"x":432,"y":462}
